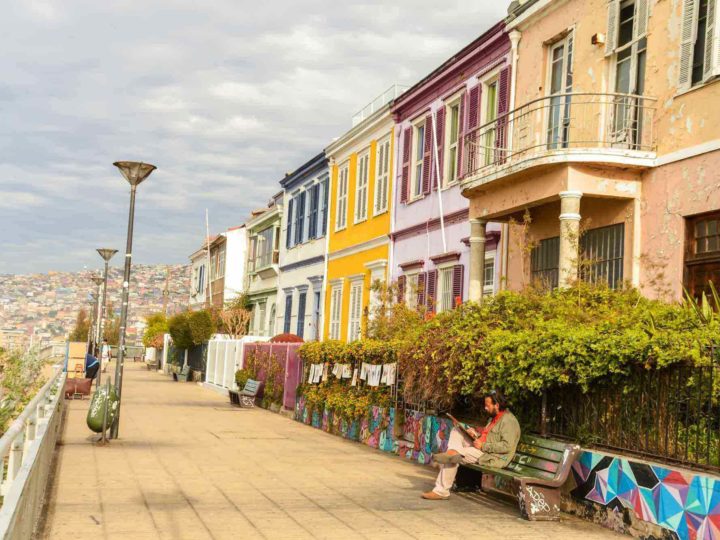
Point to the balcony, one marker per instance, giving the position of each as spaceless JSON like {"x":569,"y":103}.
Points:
{"x":611,"y":129}
{"x":265,"y":264}
{"x":378,"y":103}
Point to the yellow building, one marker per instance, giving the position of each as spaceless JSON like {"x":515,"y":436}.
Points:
{"x":361,"y":196}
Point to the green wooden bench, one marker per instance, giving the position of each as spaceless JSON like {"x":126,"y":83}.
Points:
{"x":183,"y":375}
{"x":246,"y":396}
{"x":535,"y":475}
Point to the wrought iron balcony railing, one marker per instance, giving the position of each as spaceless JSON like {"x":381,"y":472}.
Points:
{"x":574,"y":123}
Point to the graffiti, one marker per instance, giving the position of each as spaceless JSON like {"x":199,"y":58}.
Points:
{"x":537,"y":503}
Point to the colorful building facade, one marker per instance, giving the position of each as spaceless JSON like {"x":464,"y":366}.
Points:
{"x":606,"y":159}
{"x":302,"y":250}
{"x":431,"y":230}
{"x":361,"y":195}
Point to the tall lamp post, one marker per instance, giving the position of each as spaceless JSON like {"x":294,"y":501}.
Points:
{"x":106,"y":254}
{"x":97,"y":280}
{"x":135,"y":173}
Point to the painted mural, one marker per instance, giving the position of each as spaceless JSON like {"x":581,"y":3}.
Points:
{"x":686,"y":503}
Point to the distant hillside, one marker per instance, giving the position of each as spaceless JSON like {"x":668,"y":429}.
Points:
{"x":47,"y":304}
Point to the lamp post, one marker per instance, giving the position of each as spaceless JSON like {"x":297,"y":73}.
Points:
{"x":106,"y":254}
{"x":97,"y":280}
{"x":135,"y":173}
{"x":92,"y":300}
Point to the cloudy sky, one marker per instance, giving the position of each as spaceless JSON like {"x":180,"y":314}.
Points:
{"x":224,"y":96}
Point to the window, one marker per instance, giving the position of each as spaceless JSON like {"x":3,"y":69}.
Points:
{"x":342,"y":198}
{"x":288,"y":313}
{"x":489,"y":276}
{"x":418,"y":159}
{"x":412,"y":288}
{"x":335,"y":311}
{"x":313,"y":213}
{"x":700,"y":42}
{"x":260,"y":318}
{"x":361,"y":187}
{"x":289,"y":231}
{"x":602,"y":252}
{"x":445,"y":291}
{"x":702,"y":254}
{"x":324,"y":207}
{"x":316,"y":316}
{"x":382,"y":176}
{"x":271,"y":323}
{"x":300,"y":218}
{"x":301,"y":315}
{"x":355,"y":311}
{"x":264,"y":246}
{"x":545,"y":262}
{"x":453,"y":139}
{"x":491,"y":110}
{"x":561,"y":79}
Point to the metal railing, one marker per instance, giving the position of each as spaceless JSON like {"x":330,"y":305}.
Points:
{"x":27,"y":449}
{"x":671,"y":415}
{"x":378,"y":103}
{"x":561,"y":124}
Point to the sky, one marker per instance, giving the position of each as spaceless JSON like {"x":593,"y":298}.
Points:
{"x":223,"y":96}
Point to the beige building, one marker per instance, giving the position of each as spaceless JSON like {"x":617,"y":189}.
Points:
{"x":607,"y":162}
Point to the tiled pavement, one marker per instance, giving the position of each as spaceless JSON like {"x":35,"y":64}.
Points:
{"x":189,"y":466}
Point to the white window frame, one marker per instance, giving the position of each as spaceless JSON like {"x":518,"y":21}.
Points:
{"x":442,"y":294}
{"x":382,"y":176}
{"x":342,"y":196}
{"x":355,"y":315}
{"x":412,"y":283}
{"x":454,"y":101}
{"x":416,"y":191}
{"x":362,"y":186}
{"x":336,"y":301}
{"x":260,"y":317}
{"x":711,"y":64}
{"x":489,"y":290}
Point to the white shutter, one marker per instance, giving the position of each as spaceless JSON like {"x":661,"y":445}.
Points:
{"x":613,"y":20}
{"x":712,"y":41}
{"x":641,"y":18}
{"x":687,"y":42}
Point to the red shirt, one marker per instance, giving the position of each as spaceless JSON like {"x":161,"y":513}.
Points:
{"x":491,"y":424}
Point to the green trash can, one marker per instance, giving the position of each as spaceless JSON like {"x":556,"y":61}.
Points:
{"x":104,"y":398}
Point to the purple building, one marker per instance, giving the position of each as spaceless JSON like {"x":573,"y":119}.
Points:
{"x":431,"y":228}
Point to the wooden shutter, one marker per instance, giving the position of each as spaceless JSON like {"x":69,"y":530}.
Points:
{"x":323,"y":230}
{"x":431,"y":296}
{"x":712,"y":41}
{"x":461,"y":135}
{"x":300,"y":219}
{"x":457,"y":286}
{"x":641,"y":18}
{"x":288,"y":235}
{"x":288,"y":313}
{"x":473,"y":108}
{"x":427,"y":155}
{"x":613,"y":19}
{"x":405,"y":178}
{"x":687,"y":42}
{"x":440,"y":138}
{"x":503,"y":108}
{"x":401,"y":289}
{"x":422,"y":289}
{"x":301,"y":315}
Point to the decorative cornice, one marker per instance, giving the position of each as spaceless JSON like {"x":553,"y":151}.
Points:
{"x":446,"y":257}
{"x":431,"y":225}
{"x":492,"y":239}
{"x":376,"y":265}
{"x":359,"y":248}
{"x":308,"y":170}
{"x":411,"y":265}
{"x":303,"y":263}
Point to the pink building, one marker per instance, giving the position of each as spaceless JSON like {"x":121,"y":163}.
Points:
{"x":431,"y":229}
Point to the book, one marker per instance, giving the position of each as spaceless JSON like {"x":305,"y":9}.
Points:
{"x":461,"y":427}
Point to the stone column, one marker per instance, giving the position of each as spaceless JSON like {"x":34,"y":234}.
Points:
{"x":569,"y":237}
{"x":478,"y":229}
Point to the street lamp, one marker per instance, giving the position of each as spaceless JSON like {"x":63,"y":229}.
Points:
{"x":97,"y":280}
{"x":135,"y":173}
{"x":106,"y":254}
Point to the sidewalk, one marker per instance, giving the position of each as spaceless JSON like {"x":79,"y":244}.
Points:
{"x":189,"y":466}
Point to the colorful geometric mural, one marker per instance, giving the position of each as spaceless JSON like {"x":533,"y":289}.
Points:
{"x":686,"y":503}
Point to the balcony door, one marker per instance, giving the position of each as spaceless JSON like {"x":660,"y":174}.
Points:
{"x":630,"y":60}
{"x":561,"y":79}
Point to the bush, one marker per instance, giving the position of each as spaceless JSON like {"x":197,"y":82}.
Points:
{"x":157,"y":325}
{"x":241,"y":377}
{"x":286,"y":338}
{"x":179,"y":329}
{"x":201,"y":326}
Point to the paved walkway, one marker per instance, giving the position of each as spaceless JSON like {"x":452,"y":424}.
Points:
{"x":189,"y":466}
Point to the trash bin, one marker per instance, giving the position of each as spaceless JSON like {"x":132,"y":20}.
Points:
{"x":105,"y":398}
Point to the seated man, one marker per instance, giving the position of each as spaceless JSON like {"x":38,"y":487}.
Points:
{"x":494,"y":446}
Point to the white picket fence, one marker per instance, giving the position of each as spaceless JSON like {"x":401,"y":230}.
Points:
{"x":224,"y":358}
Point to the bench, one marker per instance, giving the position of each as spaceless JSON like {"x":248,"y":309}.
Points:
{"x":535,"y":476}
{"x":246,"y":396}
{"x":151,"y":364}
{"x":183,"y":375}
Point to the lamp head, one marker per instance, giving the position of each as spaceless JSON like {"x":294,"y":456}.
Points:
{"x":134,"y":171}
{"x":107,"y":253}
{"x":97,"y":280}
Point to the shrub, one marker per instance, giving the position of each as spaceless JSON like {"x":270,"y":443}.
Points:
{"x":286,"y":338}
{"x":157,"y":325}
{"x":201,"y":326}
{"x":179,"y":329}
{"x":241,"y":377}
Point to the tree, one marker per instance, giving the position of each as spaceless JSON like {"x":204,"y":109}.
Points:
{"x":157,"y":326}
{"x":201,"y":326}
{"x":235,"y":318}
{"x":111,"y":330}
{"x":82,"y":326}
{"x":179,"y":329}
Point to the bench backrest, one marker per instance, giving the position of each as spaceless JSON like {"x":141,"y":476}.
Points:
{"x":251,"y":386}
{"x":185,"y":370}
{"x":543,"y":458}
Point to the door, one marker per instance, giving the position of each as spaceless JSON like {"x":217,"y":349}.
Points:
{"x":561,"y":79}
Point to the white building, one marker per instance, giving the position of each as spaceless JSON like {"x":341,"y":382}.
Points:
{"x":198,"y":279}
